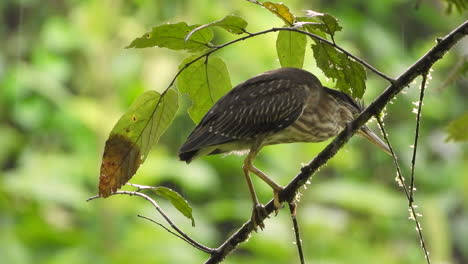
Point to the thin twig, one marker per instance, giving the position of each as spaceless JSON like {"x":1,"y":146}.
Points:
{"x":288,"y":194}
{"x":164,"y":227}
{"x":187,"y":238}
{"x":255,"y":2}
{"x":292,"y":210}
{"x":416,"y":135}
{"x":401,"y":182}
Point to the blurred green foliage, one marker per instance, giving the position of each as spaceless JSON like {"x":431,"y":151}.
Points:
{"x":65,"y":79}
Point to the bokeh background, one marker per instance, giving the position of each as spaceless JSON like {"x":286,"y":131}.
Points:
{"x":65,"y":78}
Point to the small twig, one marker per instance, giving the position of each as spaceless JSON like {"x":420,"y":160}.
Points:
{"x":164,"y":227}
{"x":187,"y":238}
{"x":416,"y":135}
{"x":401,"y":182}
{"x":292,"y":210}
{"x":255,"y":2}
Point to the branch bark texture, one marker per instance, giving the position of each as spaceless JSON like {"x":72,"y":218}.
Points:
{"x":288,"y":194}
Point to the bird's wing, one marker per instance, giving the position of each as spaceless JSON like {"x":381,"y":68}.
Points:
{"x":256,"y":107}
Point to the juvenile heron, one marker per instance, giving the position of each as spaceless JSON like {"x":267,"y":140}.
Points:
{"x":279,"y":106}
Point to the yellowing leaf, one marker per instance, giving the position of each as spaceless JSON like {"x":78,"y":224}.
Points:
{"x":205,"y":81}
{"x":133,"y":136}
{"x":282,"y":11}
{"x":290,"y":47}
{"x":172,"y":36}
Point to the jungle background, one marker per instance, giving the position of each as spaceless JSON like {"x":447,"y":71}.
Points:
{"x":65,"y":78}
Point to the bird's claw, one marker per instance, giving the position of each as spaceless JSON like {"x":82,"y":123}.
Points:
{"x":258,"y":214}
{"x":276,"y":199}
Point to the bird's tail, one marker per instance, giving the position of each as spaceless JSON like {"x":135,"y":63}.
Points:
{"x":188,"y":156}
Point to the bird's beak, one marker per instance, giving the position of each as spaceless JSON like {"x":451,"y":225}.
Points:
{"x":372,"y":137}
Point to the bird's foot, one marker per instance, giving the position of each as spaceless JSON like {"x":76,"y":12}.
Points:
{"x":276,"y":199}
{"x":258,"y":214}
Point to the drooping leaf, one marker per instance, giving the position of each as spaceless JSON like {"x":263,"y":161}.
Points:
{"x":329,"y":24}
{"x":133,"y":136}
{"x":205,"y":81}
{"x":290,"y":47}
{"x":172,"y":36}
{"x":350,"y":76}
{"x":176,"y":200}
{"x":231,"y":23}
{"x":282,"y":11}
{"x":457,"y":129}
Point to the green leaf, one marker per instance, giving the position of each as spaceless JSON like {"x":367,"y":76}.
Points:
{"x":350,"y":76}
{"x":329,"y":24}
{"x":290,"y":47}
{"x":310,"y":25}
{"x":172,"y":36}
{"x":133,"y":136}
{"x":205,"y":81}
{"x":176,"y":200}
{"x":282,"y":11}
{"x":457,"y":129}
{"x":231,"y":23}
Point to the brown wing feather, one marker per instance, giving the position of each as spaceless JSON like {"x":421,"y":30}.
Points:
{"x":263,"y":104}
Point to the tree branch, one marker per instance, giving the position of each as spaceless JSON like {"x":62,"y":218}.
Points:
{"x":288,"y":194}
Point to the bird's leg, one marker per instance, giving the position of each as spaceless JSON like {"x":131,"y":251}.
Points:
{"x":276,"y":187}
{"x":258,"y":212}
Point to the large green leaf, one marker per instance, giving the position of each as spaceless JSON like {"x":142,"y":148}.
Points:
{"x":231,"y":23}
{"x":172,"y":36}
{"x":176,"y":200}
{"x":133,"y":136}
{"x":458,"y":129}
{"x":290,"y":47}
{"x":205,"y":81}
{"x":350,"y":76}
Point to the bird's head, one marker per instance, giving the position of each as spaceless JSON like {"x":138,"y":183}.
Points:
{"x":355,"y":108}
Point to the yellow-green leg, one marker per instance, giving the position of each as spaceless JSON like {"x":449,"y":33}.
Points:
{"x":259,"y":213}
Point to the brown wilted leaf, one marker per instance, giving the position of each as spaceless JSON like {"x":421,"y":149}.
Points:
{"x":133,"y":136}
{"x":120,"y":161}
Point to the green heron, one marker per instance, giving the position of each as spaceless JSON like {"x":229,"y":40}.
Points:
{"x":280,"y":106}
